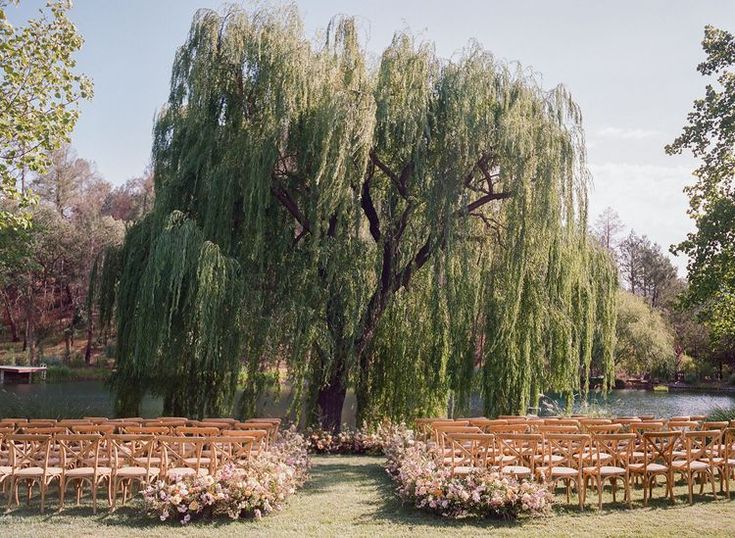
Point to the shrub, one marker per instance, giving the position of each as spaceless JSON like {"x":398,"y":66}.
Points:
{"x":721,"y":414}
{"x":58,"y":373}
{"x":251,"y":489}
{"x":483,"y":493}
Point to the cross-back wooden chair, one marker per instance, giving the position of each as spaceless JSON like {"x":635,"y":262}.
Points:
{"x":232,"y":447}
{"x":554,"y":428}
{"x":569,"y":449}
{"x":260,"y":437}
{"x":80,"y":461}
{"x":100,"y":429}
{"x":423,"y":427}
{"x":658,"y":454}
{"x":683,"y":425}
{"x":510,"y":427}
{"x":42,"y":422}
{"x":614,"y":452}
{"x":182,"y":456}
{"x":131,"y":463}
{"x":5,"y":469}
{"x":443,"y":445}
{"x":257,"y":429}
{"x":29,"y":460}
{"x":470,"y":451}
{"x":725,"y":459}
{"x":700,"y":450}
{"x":516,"y":453}
{"x":715,"y":425}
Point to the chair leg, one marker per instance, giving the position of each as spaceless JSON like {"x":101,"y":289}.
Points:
{"x":690,"y":486}
{"x":599,"y":492}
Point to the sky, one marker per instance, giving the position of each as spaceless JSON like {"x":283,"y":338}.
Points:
{"x":630,"y":64}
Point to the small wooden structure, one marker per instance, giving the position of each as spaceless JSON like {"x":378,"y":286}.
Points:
{"x":21,"y":371}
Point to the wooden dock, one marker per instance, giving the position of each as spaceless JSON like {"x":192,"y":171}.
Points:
{"x":19,"y":371}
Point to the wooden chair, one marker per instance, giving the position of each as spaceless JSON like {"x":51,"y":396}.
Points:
{"x":197,"y":431}
{"x":260,"y":437}
{"x":701,"y":447}
{"x":570,"y":448}
{"x":232,"y":447}
{"x":29,"y":460}
{"x":725,"y":458}
{"x":658,"y":448}
{"x":131,"y":463}
{"x":470,"y":451}
{"x":80,"y":465}
{"x":182,"y":456}
{"x":516,"y":453}
{"x":618,"y":450}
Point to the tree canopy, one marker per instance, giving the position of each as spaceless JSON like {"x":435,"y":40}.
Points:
{"x":710,"y":136}
{"x":39,"y":96}
{"x":401,"y":229}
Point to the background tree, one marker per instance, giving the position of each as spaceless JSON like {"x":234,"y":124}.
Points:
{"x":644,"y":343}
{"x":607,"y":229}
{"x":39,"y":95}
{"x":710,"y":136}
{"x":396,"y":229}
{"x":45,"y":271}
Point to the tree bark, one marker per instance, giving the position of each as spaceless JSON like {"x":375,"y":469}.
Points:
{"x":10,"y":320}
{"x":331,"y":397}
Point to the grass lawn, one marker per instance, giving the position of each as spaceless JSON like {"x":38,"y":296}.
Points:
{"x":352,"y":496}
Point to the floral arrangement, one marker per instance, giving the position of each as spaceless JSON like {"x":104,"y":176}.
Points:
{"x":370,"y":441}
{"x":428,"y":486}
{"x":251,"y":489}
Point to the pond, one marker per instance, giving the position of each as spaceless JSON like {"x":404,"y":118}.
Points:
{"x":91,"y":398}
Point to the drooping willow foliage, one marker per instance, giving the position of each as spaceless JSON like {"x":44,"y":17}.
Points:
{"x":412,"y":229}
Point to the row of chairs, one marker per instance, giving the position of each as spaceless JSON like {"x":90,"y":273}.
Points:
{"x":591,"y":453}
{"x":105,"y":454}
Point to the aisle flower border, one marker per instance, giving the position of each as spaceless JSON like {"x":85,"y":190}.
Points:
{"x":251,"y":489}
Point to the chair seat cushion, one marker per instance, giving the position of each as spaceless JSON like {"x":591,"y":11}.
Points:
{"x":186,"y":471}
{"x":516,"y":469}
{"x":563,"y":471}
{"x":650,"y":468}
{"x":604,"y":470}
{"x":128,"y":472}
{"x":693,"y":465}
{"x":87,"y":471}
{"x":38,"y":471}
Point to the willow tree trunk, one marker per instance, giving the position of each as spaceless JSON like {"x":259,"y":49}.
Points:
{"x":331,"y":396}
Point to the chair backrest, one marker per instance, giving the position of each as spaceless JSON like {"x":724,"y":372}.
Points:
{"x":101,"y":428}
{"x":79,"y":450}
{"x":440,"y":433}
{"x":593,"y":421}
{"x":72,"y":422}
{"x":152,"y":430}
{"x":181,"y":452}
{"x":659,"y":446}
{"x":728,"y":442}
{"x":715,"y":425}
{"x":197,"y":431}
{"x":568,"y":422}
{"x":642,"y":427}
{"x":553,"y":428}
{"x":41,"y":422}
{"x":43,"y":430}
{"x":471,"y":449}
{"x":618,"y":446}
{"x":133,"y":450}
{"x":28,"y":450}
{"x":702,"y":445}
{"x":572,"y":447}
{"x":516,"y":427}
{"x":231,"y":448}
{"x":603,"y":428}
{"x":683,"y":418}
{"x":523,"y":446}
{"x":683,"y":426}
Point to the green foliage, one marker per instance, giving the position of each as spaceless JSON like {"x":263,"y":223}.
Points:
{"x":722,"y":414}
{"x":710,"y":135}
{"x":399,"y":229}
{"x":644,"y":341}
{"x":39,"y":96}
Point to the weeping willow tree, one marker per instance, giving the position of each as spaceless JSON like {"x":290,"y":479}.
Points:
{"x":398,"y":228}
